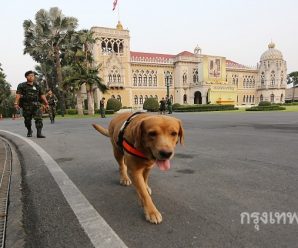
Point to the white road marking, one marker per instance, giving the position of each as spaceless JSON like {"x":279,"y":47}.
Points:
{"x":98,"y":230}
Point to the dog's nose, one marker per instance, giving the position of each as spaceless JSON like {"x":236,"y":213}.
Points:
{"x":165,"y":154}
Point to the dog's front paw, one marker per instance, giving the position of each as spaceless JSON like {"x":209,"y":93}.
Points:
{"x":125,"y":181}
{"x":153,"y":217}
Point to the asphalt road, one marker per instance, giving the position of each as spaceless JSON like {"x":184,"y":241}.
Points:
{"x":231,"y":163}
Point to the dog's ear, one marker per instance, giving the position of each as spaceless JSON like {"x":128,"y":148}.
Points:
{"x":181,"y":133}
{"x":137,"y":132}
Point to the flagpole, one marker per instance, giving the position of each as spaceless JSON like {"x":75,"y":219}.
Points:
{"x":118,"y":11}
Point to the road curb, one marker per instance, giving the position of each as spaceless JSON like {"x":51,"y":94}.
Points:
{"x":15,"y":234}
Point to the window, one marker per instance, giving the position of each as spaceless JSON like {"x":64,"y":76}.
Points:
{"x":140,"y":80}
{"x":141,"y":99}
{"x":119,"y":78}
{"x":184,"y":98}
{"x":261,"y":98}
{"x":262,"y":78}
{"x":135,"y":80}
{"x":272,"y":98}
{"x":150,"y":80}
{"x":119,"y":98}
{"x":155,"y":80}
{"x":136,"y":100}
{"x":272,"y":78}
{"x":145,"y":80}
{"x":184,"y":78}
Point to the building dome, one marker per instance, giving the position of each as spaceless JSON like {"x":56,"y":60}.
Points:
{"x":271,"y":53}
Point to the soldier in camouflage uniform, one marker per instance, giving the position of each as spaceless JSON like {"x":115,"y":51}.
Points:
{"x":52,"y":100}
{"x":28,"y":97}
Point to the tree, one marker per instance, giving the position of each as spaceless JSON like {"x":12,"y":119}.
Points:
{"x":5,"y":94}
{"x":45,"y":39}
{"x":84,"y":76}
{"x":293,"y":79}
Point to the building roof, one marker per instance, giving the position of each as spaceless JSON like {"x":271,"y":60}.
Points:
{"x":233,"y":64}
{"x":151,"y":55}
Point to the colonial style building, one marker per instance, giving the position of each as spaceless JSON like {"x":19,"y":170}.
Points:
{"x":188,"y":78}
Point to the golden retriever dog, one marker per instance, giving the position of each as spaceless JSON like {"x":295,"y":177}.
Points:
{"x":140,"y":141}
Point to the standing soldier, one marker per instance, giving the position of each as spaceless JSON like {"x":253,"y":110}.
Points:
{"x":52,"y":100}
{"x":169,"y":104}
{"x":30,"y":94}
{"x":102,"y":107}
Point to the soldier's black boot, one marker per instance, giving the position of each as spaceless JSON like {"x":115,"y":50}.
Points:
{"x":39,"y":134}
{"x":29,"y":133}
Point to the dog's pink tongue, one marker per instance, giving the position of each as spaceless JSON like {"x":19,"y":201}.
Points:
{"x":163,"y":164}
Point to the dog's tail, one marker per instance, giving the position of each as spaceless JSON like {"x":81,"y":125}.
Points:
{"x":101,"y":129}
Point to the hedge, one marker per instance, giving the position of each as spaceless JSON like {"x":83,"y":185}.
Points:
{"x":266,"y":108}
{"x":203,"y":108}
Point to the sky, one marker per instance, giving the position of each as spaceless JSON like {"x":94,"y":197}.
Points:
{"x":239,"y":30}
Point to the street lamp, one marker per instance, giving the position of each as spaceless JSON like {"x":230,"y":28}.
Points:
{"x":168,"y":84}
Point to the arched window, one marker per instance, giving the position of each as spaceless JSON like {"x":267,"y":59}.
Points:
{"x":114,"y":78}
{"x":281,"y":98}
{"x":244,"y":83}
{"x":184,"y":78}
{"x":110,"y":78}
{"x":262,"y":78}
{"x":150,"y":80}
{"x":146,"y":97}
{"x":272,"y":98}
{"x":141,"y":99}
{"x":272,"y":78}
{"x":261,"y":98}
{"x":253,"y":99}
{"x":119,"y":78}
{"x":249,"y":99}
{"x":140,"y":80}
{"x":155,"y":80}
{"x":119,"y":98}
{"x":243,"y":98}
{"x":112,"y":96}
{"x":145,"y":80}
{"x":185,"y":99}
{"x":136,"y":99}
{"x":135,"y":80}
{"x":195,"y":76}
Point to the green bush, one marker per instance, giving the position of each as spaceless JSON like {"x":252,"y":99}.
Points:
{"x":151,"y":105}
{"x":175,"y":106}
{"x":113,"y":104}
{"x":265,"y":103}
{"x":204,"y":107}
{"x":71,"y":111}
{"x":266,"y":108}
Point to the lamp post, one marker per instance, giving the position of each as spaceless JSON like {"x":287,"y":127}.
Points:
{"x":168,"y":84}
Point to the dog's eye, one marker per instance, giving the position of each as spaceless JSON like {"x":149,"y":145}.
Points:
{"x":174,"y":133}
{"x":152,"y":134}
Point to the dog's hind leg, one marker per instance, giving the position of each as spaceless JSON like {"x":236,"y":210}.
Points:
{"x":124,"y":179}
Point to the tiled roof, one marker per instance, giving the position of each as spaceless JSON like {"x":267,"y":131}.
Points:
{"x":232,"y":64}
{"x":185,"y":53}
{"x":151,"y":55}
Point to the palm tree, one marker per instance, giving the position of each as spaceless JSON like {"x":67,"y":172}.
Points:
{"x":88,"y":77}
{"x":44,"y":40}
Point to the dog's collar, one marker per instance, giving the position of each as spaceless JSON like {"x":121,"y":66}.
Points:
{"x":123,"y":144}
{"x":132,"y":150}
